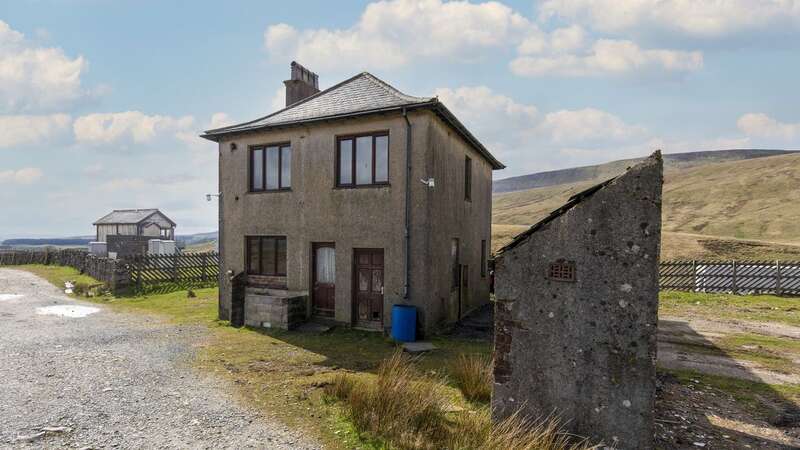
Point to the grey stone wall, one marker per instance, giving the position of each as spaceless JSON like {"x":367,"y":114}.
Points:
{"x":112,"y":272}
{"x":585,"y":349}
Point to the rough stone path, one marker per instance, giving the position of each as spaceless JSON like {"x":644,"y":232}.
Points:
{"x":675,"y":333}
{"x":81,"y":376}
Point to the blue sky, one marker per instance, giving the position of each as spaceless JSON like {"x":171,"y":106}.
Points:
{"x":101,"y":102}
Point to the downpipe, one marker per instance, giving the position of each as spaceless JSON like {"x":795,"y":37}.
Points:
{"x":407,"y":253}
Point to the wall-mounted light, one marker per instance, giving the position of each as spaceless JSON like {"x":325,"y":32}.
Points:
{"x":208,"y":196}
{"x":429,"y":182}
{"x":233,"y":146}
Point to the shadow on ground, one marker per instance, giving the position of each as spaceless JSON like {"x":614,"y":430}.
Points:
{"x":706,"y":396}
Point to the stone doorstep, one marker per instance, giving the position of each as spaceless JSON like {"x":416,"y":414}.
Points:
{"x":418,"y":347}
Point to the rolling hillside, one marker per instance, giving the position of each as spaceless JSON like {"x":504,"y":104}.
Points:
{"x":672,"y":162}
{"x":747,"y":208}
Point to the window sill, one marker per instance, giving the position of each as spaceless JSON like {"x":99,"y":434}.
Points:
{"x":269,"y":191}
{"x":363,"y":186}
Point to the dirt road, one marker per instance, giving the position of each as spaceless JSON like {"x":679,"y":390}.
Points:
{"x":77,"y":375}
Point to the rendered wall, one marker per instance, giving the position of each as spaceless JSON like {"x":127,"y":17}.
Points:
{"x":585,"y":349}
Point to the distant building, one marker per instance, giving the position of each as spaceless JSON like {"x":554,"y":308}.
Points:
{"x":358,"y":197}
{"x":127,"y":231}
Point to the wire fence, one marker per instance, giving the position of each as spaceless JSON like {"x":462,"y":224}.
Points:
{"x":737,"y":277}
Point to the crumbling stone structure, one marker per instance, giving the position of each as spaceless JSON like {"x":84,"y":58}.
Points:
{"x":577,"y":311}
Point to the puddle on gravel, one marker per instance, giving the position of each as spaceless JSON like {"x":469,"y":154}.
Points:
{"x":67,"y":310}
{"x":8,"y":297}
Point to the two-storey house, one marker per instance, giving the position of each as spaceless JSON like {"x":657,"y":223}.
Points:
{"x":360,"y":197}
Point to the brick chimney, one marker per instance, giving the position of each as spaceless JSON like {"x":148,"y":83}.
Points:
{"x":303,"y":83}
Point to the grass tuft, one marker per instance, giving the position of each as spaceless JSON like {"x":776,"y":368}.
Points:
{"x":408,"y":411}
{"x":473,"y":375}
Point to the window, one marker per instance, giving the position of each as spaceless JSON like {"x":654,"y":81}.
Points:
{"x":271,"y":168}
{"x":456,"y":267}
{"x":266,"y":255}
{"x":483,"y":258}
{"x":362,"y":160}
{"x":468,"y":179}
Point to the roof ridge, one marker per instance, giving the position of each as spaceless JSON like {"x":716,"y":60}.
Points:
{"x":393,"y":90}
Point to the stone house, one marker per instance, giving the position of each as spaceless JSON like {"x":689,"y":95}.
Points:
{"x":576,"y":312}
{"x":353,"y":199}
{"x":127,"y":231}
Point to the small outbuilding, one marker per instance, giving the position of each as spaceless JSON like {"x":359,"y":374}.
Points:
{"x":127,"y":231}
{"x":577,"y":312}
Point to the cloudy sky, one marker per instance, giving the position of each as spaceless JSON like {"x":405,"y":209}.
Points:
{"x":101,"y":101}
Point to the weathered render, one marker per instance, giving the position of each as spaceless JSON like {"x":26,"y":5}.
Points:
{"x":424,"y":142}
{"x":577,"y":311}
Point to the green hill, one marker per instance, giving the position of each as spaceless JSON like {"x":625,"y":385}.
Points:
{"x":710,"y":209}
{"x":672,"y":162}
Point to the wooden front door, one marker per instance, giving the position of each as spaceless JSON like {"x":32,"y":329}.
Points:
{"x":368,"y":287}
{"x":323,"y":292}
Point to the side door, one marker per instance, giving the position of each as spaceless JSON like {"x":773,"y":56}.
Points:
{"x":369,"y":289}
{"x":323,"y":279}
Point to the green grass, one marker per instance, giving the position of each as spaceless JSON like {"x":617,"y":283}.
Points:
{"x":283,"y":373}
{"x":757,"y":308}
{"x":57,"y":275}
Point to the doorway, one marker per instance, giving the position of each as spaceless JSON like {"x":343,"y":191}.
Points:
{"x":368,"y":287}
{"x":323,"y":279}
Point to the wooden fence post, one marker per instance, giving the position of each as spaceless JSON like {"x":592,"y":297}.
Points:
{"x":735,"y":285}
{"x":205,"y":263}
{"x":778,"y":290}
{"x":695,"y":288}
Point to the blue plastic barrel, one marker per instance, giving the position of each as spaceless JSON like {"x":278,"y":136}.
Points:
{"x":404,"y":323}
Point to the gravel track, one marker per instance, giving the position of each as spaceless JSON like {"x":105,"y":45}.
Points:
{"x":111,"y":380}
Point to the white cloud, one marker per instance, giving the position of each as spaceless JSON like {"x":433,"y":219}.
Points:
{"x":604,"y":57}
{"x":587,"y":125}
{"x":27,"y":175}
{"x":104,"y":128}
{"x":18,"y":130}
{"x":393,"y":33}
{"x":762,"y":126}
{"x":219,"y":120}
{"x":279,"y":100}
{"x":527,"y":140}
{"x":34,"y":78}
{"x":698,"y":18}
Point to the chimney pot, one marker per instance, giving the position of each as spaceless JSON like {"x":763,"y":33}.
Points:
{"x":303,"y":83}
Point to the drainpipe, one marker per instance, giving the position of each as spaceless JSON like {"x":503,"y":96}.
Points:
{"x":220,"y":233}
{"x":407,"y":256}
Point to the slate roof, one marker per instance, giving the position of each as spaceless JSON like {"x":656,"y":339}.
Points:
{"x":129,"y":216}
{"x":360,"y":95}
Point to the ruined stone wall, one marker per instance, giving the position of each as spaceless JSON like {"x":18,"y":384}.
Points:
{"x":112,"y":272}
{"x":576,"y":313}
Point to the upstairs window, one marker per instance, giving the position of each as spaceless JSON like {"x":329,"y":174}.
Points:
{"x":266,"y":255}
{"x":271,"y":168}
{"x":362,"y":160}
{"x":468,"y":179}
